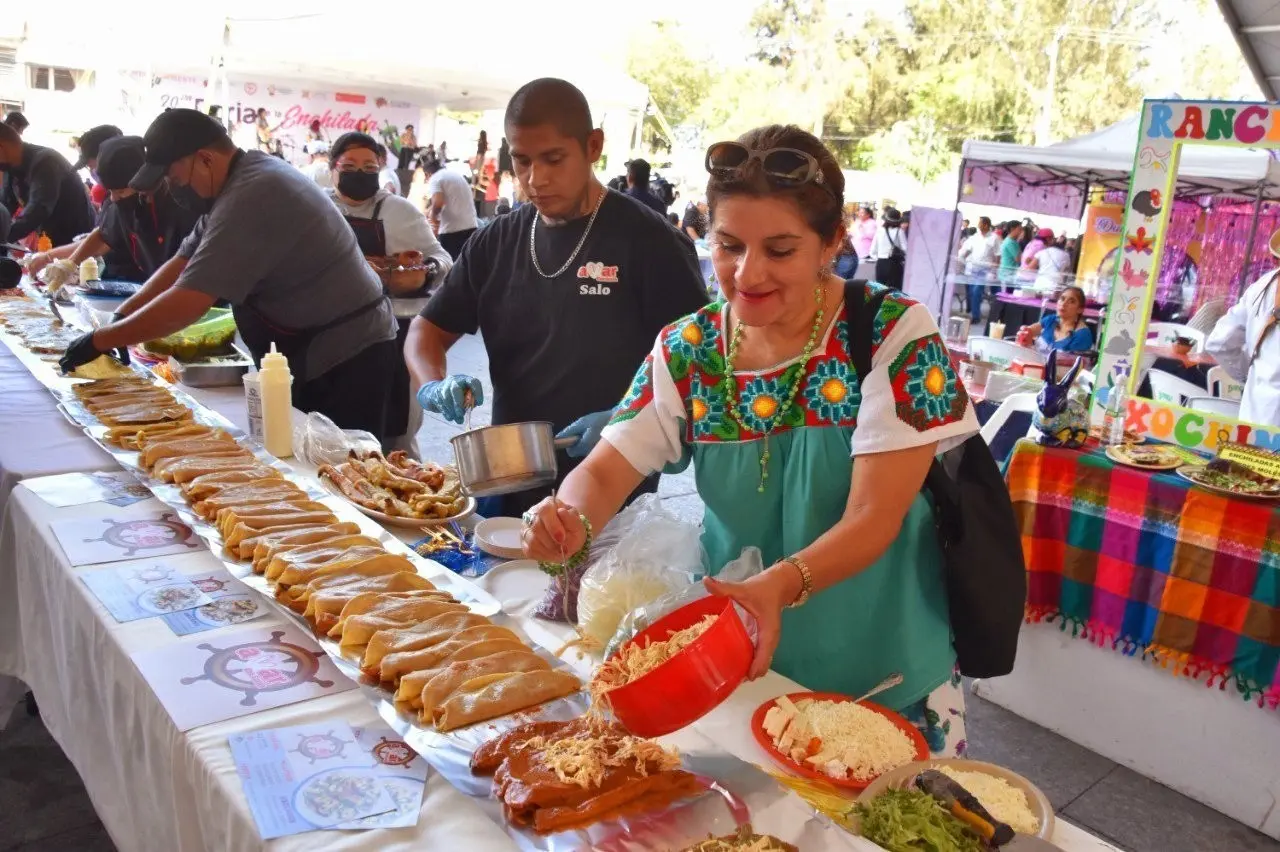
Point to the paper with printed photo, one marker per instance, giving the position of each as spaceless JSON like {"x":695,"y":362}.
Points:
{"x":308,"y":776}
{"x":119,"y":488}
{"x":403,"y":772}
{"x":139,"y":590}
{"x":231,"y":602}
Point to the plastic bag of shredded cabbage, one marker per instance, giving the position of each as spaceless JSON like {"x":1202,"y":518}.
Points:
{"x":642,"y":555}
{"x":748,"y":564}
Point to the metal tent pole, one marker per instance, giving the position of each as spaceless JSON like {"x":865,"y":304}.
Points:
{"x":1248,"y":246}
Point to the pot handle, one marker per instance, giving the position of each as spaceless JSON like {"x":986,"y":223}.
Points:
{"x":566,"y":442}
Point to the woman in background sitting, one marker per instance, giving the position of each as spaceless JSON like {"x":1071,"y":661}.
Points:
{"x":1064,"y":331}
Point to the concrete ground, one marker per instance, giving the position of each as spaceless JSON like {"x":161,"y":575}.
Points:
{"x":43,"y":806}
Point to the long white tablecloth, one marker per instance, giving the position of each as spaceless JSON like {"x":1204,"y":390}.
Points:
{"x":156,"y":788}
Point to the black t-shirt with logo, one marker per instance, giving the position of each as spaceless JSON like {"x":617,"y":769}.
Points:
{"x":564,"y":347}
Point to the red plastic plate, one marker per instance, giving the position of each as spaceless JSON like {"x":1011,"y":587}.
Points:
{"x":784,"y":760}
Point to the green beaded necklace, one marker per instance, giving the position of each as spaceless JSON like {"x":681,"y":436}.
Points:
{"x":730,"y":384}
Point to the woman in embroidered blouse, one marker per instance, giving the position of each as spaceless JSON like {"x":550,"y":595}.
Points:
{"x":794,"y":456}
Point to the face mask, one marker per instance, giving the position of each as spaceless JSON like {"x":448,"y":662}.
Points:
{"x":358,"y":186}
{"x":187,"y":198}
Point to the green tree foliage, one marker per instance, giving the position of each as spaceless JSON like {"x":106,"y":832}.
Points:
{"x":903,"y":90}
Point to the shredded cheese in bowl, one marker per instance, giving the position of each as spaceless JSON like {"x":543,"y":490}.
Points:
{"x":635,"y":661}
{"x":840,"y":739}
{"x":1004,"y":801}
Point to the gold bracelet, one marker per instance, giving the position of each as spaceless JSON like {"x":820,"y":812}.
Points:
{"x":805,"y":578}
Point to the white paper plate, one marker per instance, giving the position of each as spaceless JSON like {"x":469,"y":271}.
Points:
{"x":501,"y":537}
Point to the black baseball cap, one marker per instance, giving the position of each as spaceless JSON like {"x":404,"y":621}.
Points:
{"x":91,"y":141}
{"x":176,"y":133}
{"x":119,"y":160}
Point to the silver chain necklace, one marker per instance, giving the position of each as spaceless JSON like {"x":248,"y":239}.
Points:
{"x":533,"y":230}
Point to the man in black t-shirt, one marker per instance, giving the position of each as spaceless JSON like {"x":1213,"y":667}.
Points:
{"x":568,"y":317}
{"x":143,"y":230}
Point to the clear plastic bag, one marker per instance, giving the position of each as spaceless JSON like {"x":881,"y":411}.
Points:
{"x":642,"y":554}
{"x":748,"y":564}
{"x":319,"y":441}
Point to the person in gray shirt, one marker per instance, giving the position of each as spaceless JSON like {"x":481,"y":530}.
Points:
{"x":278,"y":250}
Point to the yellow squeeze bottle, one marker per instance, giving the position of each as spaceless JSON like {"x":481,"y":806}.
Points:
{"x":277,"y":404}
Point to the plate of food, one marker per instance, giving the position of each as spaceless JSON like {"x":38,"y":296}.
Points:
{"x":172,"y":598}
{"x":1232,"y":480}
{"x":1097,"y":434}
{"x":337,"y":795}
{"x":1006,"y":795}
{"x":398,"y":491}
{"x":1145,"y":456}
{"x":231,"y":609}
{"x":830,"y":737}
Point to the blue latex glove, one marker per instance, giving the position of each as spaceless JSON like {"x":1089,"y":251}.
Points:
{"x":446,"y":397}
{"x":586,"y":429}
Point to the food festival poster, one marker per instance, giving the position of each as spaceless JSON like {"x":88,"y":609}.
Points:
{"x":307,"y":777}
{"x":236,"y":673}
{"x":1165,"y":127}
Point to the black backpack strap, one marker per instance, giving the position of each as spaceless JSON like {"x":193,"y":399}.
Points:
{"x":862,"y":320}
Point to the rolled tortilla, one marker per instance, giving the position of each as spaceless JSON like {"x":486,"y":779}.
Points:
{"x":358,"y":629}
{"x":396,"y":665}
{"x":248,"y":494}
{"x":233,"y":541}
{"x":317,"y":552}
{"x":457,"y":650}
{"x":452,"y":676}
{"x":357,"y":560}
{"x":213,"y":483}
{"x":478,"y":700}
{"x":226,"y":519}
{"x":262,"y":522}
{"x":412,"y":638}
{"x":393,"y":603}
{"x":185,"y":446}
{"x":182,"y":470}
{"x":260,"y":548}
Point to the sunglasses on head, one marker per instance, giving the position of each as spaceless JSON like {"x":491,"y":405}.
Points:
{"x":781,"y":166}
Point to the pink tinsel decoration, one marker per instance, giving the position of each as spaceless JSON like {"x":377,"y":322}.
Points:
{"x":1226,"y":234}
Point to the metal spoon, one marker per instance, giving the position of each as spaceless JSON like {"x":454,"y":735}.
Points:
{"x":468,"y":403}
{"x":888,"y":683}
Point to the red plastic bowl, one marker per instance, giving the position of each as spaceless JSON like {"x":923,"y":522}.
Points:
{"x":693,"y":682}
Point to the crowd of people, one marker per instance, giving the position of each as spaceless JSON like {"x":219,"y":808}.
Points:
{"x":583,"y":296}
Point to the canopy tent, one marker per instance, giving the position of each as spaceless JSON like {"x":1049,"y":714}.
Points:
{"x":1256,"y":26}
{"x":447,"y":68}
{"x":1105,"y":159}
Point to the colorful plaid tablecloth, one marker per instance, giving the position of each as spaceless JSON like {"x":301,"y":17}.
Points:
{"x":1145,"y":563}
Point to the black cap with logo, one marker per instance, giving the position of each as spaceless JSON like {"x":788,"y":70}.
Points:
{"x":176,"y":133}
{"x":119,"y":160}
{"x":91,"y":141}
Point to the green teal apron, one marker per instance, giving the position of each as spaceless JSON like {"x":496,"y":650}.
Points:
{"x":890,"y":617}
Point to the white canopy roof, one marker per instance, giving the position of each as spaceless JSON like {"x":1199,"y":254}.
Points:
{"x":1105,"y":158}
{"x":441,"y":58}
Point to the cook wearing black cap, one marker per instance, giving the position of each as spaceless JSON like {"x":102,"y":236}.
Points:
{"x":119,"y":265}
{"x":90,"y":143}
{"x":43,"y":185}
{"x":273,"y":245}
{"x":145,"y":228}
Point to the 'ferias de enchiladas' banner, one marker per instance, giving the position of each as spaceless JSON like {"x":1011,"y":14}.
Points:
{"x":290,"y":108}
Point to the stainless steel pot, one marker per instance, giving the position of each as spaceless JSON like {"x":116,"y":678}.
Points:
{"x":503,"y":459}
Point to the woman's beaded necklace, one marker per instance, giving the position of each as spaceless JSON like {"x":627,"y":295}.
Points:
{"x":731,"y":384}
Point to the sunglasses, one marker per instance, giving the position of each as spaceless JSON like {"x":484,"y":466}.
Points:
{"x":781,"y":166}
